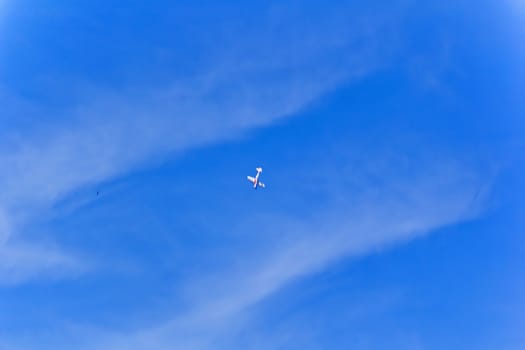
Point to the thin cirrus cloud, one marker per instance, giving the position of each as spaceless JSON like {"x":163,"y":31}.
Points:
{"x":408,"y":206}
{"x":110,"y":132}
{"x":113,"y":133}
{"x":360,"y":217}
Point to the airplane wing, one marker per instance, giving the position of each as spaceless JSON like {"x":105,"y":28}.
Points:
{"x":261,"y":184}
{"x":251,"y":179}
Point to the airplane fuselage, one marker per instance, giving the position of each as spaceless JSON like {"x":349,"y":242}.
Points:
{"x":255,"y":180}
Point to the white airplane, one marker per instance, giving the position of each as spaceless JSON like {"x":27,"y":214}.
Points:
{"x":255,"y":180}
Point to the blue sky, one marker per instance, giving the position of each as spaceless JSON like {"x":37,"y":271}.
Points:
{"x":391,"y":137}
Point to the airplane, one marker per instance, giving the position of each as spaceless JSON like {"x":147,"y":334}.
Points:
{"x":255,"y":180}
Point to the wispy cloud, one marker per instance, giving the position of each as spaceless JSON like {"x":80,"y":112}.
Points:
{"x":253,"y":83}
{"x":111,"y":132}
{"x":353,"y":223}
{"x":21,"y":262}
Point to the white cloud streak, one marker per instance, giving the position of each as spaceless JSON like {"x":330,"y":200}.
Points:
{"x":115,"y":133}
{"x":353,"y":224}
{"x":19,"y":263}
{"x":110,"y":133}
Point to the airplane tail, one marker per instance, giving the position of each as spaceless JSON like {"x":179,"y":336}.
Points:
{"x":259,"y":170}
